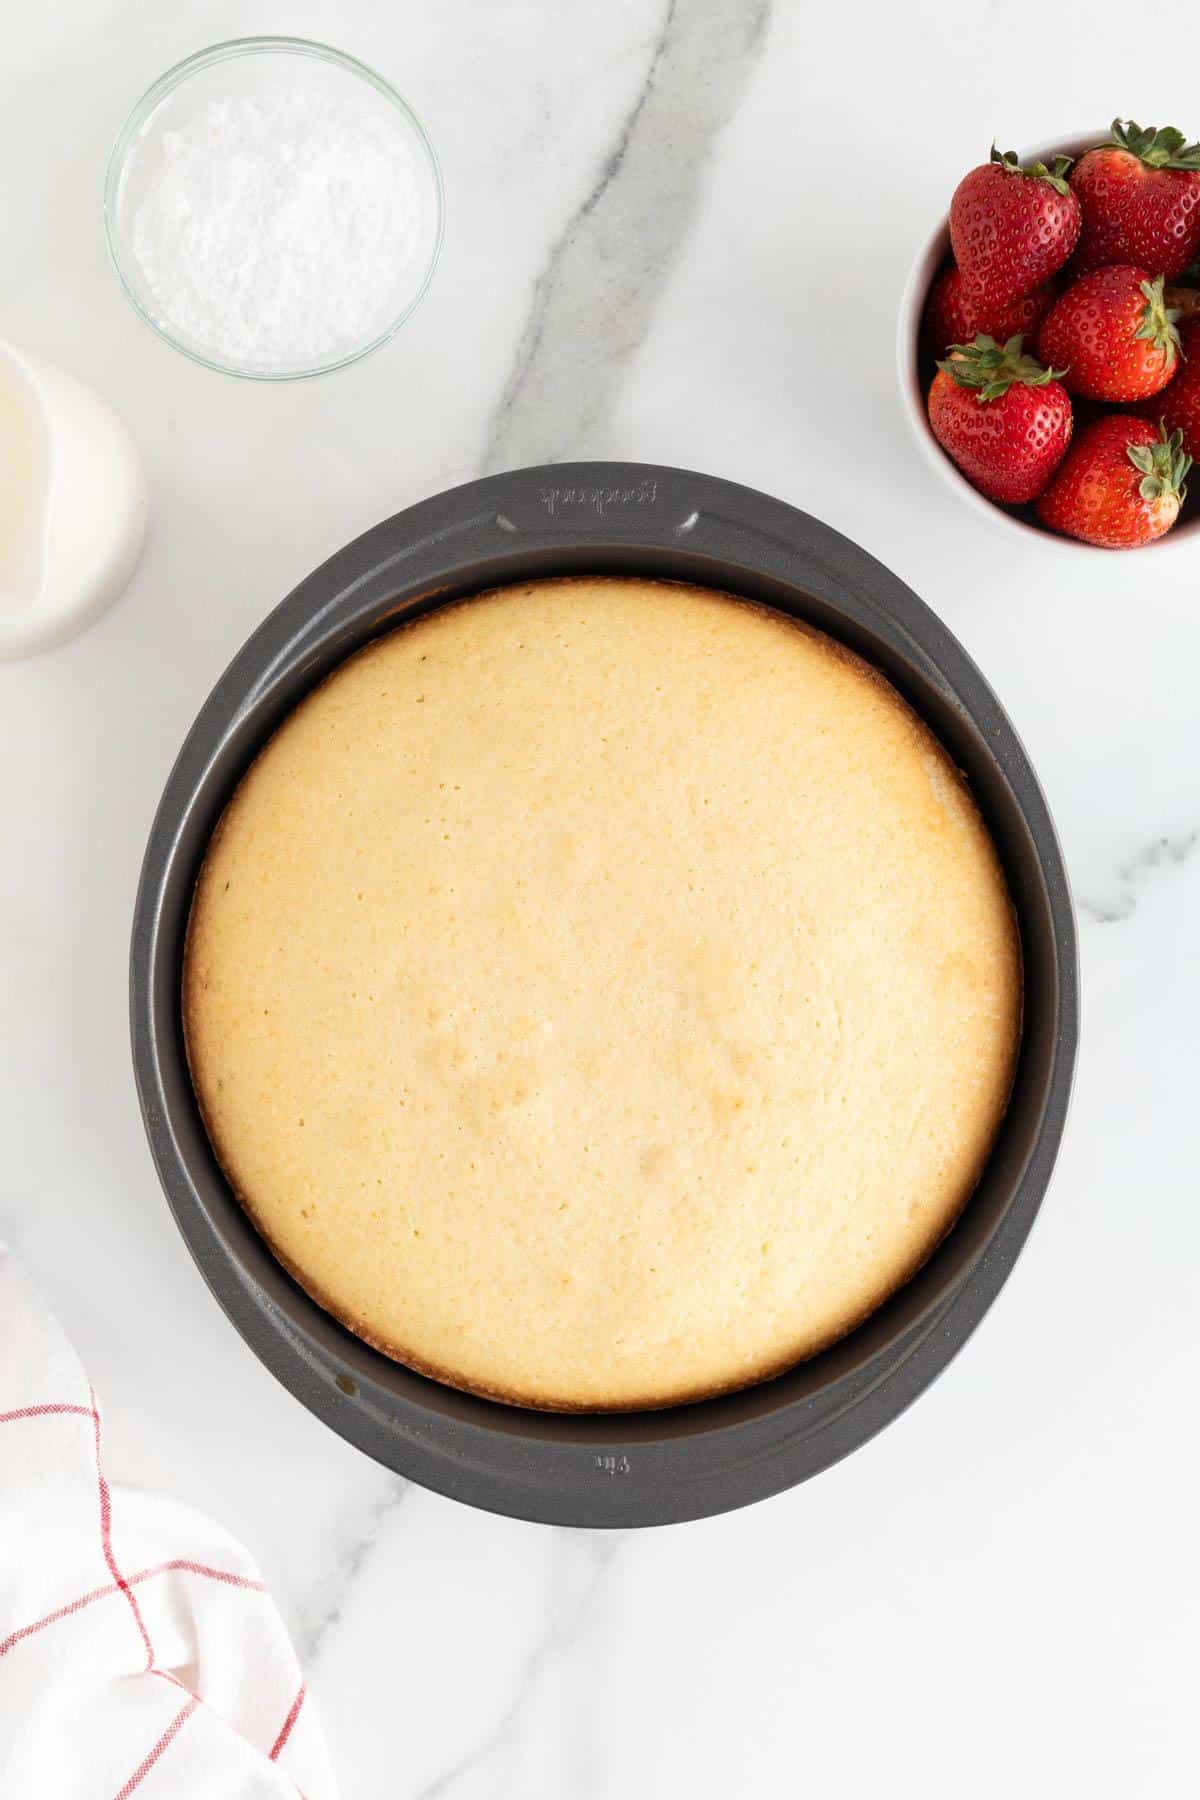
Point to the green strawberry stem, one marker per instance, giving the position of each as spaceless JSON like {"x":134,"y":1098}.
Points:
{"x":1159,"y":147}
{"x":1163,"y":466}
{"x":1158,"y":324}
{"x":992,"y":368}
{"x":1184,"y":302}
{"x":1010,"y":162}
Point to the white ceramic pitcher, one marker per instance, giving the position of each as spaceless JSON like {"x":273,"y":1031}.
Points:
{"x":72,"y":504}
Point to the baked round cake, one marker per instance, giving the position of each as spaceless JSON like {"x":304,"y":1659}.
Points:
{"x":602,"y":993}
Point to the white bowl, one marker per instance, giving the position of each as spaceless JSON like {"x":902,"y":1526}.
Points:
{"x":912,"y":393}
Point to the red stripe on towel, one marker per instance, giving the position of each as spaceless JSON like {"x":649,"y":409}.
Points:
{"x":60,"y":1612}
{"x":43,"y":1411}
{"x":179,"y":1564}
{"x":143,"y":1769}
{"x":106,"y":1543}
{"x":185,"y":1567}
{"x":285,"y":1730}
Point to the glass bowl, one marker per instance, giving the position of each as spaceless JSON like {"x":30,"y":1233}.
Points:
{"x":264,"y":70}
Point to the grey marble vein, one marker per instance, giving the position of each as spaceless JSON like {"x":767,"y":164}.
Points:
{"x":324,"y":1605}
{"x":1160,"y":853}
{"x":595,"y":298}
{"x":562,"y":1628}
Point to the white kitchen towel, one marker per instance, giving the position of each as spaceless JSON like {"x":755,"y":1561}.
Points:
{"x":140,"y":1652}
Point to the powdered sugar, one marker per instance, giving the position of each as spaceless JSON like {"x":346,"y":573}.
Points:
{"x":280,"y":231}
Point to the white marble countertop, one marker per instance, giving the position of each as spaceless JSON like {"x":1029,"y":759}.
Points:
{"x":675,"y":233}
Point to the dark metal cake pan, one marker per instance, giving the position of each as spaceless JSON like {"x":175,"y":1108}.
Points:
{"x":688,"y":1461}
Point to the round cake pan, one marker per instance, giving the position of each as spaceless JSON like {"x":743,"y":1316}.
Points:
{"x":688,"y":1461}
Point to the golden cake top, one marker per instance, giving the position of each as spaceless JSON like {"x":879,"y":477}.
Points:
{"x":602,"y":993}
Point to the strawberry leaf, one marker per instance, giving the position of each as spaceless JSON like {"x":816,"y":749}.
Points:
{"x":992,"y":368}
{"x":1163,"y":466}
{"x":1010,"y":162}
{"x":1158,"y":324}
{"x":1159,"y":147}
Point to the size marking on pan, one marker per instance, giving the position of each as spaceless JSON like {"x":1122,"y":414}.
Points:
{"x":612,"y":1465}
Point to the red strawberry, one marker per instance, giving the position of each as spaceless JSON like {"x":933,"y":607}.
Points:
{"x":1140,"y":197}
{"x":1012,"y":228}
{"x":956,"y":314}
{"x":1001,"y":417}
{"x":1114,"y":335}
{"x":1120,"y":485}
{"x":1179,"y":405}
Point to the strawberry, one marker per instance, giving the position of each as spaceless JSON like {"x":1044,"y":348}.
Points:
{"x":1012,"y":228}
{"x":1113,"y":333}
{"x":956,"y":314}
{"x":1001,"y":417}
{"x":1179,"y":405}
{"x":1140,"y":198}
{"x":1120,"y":485}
